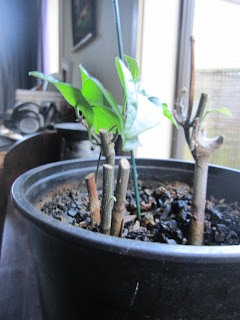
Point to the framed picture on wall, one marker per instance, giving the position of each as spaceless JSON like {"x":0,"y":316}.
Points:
{"x":83,"y":22}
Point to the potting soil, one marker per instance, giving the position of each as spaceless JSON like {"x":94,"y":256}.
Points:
{"x":165,"y":214}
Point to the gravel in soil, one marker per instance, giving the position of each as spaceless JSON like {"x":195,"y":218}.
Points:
{"x":165,"y":212}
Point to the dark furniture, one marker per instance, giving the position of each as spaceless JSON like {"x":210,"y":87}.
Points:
{"x":19,"y":297}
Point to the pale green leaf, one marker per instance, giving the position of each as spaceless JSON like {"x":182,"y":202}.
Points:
{"x":130,"y":93}
{"x":133,"y":67}
{"x":130,"y":144}
{"x":166,"y":112}
{"x":148,"y":116}
{"x":225,"y":111}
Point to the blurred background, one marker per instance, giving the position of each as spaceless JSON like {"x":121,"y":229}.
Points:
{"x":41,"y":35}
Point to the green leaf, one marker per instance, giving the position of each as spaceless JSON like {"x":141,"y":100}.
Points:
{"x":94,"y":92}
{"x":104,"y":118}
{"x":71,"y":94}
{"x":133,"y":67}
{"x":44,"y":77}
{"x":225,"y":111}
{"x":84,"y":74}
{"x":130,"y":93}
{"x":168,"y":114}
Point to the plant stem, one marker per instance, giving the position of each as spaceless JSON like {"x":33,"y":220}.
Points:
{"x":107,"y":147}
{"x":121,"y":190}
{"x":202,"y":149}
{"x":107,"y":199}
{"x":120,"y":47}
{"x":198,"y":201}
{"x":93,"y":199}
{"x":201,"y":107}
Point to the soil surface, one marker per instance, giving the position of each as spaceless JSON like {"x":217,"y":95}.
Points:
{"x":165,"y":214}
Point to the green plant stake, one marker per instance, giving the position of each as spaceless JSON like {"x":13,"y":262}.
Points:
{"x":120,"y":47}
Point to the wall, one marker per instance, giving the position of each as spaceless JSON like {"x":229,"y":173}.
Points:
{"x":98,"y":56}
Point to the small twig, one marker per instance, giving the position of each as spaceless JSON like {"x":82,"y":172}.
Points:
{"x":93,"y":199}
{"x":107,"y":199}
{"x":107,"y":147}
{"x":95,"y":136}
{"x":201,"y":107}
{"x":184,"y":117}
{"x":84,"y":123}
{"x":115,"y":136}
{"x":121,"y":190}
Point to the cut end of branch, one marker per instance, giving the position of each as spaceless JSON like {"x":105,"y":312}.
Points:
{"x":220,"y":139}
{"x":103,"y":131}
{"x":107,"y":147}
{"x":124,"y":164}
{"x":90,"y":176}
{"x":107,"y":166}
{"x":217,"y":142}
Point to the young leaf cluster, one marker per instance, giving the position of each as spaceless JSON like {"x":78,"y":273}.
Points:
{"x":138,"y":113}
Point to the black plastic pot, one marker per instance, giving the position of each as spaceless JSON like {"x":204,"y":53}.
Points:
{"x":85,"y":275}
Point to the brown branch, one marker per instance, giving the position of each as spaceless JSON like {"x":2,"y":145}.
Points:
{"x":107,"y":199}
{"x":94,"y":135}
{"x":93,"y":199}
{"x":198,"y":201}
{"x":121,"y":190}
{"x":107,"y":147}
{"x":202,"y":149}
{"x":201,"y":107}
{"x":184,"y":117}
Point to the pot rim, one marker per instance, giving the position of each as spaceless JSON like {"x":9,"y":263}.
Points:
{"x":133,"y":248}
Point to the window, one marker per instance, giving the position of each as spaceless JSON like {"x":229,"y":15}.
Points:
{"x":216,"y":28}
